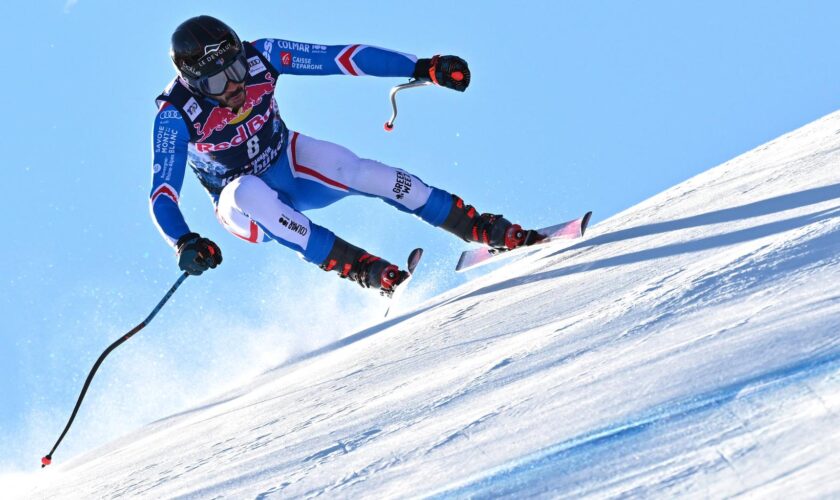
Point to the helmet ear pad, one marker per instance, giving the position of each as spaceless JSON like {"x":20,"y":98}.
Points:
{"x":201,"y":45}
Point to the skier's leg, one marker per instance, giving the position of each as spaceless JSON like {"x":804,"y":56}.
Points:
{"x":339,"y":172}
{"x":253,"y":211}
{"x":338,"y":168}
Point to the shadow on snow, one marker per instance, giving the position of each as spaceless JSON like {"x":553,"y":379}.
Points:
{"x":757,"y":209}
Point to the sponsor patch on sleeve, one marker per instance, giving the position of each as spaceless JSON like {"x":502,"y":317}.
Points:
{"x":286,"y":58}
{"x":192,"y":108}
{"x":255,"y":65}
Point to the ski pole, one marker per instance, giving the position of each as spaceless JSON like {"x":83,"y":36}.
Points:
{"x":47,"y":459}
{"x":389,"y":125}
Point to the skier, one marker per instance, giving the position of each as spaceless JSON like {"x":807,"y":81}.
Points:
{"x":220,"y":116}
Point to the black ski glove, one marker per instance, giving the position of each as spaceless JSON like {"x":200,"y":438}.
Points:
{"x":197,"y":254}
{"x":447,"y":71}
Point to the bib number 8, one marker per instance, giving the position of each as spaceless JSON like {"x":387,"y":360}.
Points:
{"x":253,"y":147}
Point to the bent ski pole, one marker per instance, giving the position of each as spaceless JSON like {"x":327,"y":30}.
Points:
{"x":47,"y":459}
{"x":389,"y":125}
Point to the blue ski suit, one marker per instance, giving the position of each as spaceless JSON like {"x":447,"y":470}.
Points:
{"x":259,"y":174}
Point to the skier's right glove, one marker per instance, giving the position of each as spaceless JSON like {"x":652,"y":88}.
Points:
{"x":447,"y":71}
{"x":197,"y":254}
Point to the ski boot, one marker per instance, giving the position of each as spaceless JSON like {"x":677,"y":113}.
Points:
{"x":367,"y":270}
{"x":492,"y":230}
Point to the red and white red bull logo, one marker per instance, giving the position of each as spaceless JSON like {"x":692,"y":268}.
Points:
{"x":243,"y":132}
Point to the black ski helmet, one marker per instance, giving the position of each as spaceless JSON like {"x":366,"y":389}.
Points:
{"x":203,"y":46}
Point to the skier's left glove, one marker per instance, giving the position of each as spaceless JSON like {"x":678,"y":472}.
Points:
{"x":447,"y":71}
{"x":197,"y":254}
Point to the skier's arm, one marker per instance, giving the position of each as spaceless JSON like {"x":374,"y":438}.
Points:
{"x":296,"y":58}
{"x":170,"y":139}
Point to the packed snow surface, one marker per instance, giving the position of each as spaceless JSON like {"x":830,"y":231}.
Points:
{"x":687,"y":346}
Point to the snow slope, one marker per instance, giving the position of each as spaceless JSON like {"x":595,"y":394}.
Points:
{"x":689,"y":345}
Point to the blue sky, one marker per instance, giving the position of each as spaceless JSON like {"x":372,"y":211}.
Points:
{"x":573,"y":107}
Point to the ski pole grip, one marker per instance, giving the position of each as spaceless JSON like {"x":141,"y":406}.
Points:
{"x":389,"y":125}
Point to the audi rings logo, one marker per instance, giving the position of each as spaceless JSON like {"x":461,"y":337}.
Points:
{"x":169,"y":114}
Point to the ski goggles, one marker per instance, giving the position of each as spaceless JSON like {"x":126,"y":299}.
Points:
{"x":215,"y":84}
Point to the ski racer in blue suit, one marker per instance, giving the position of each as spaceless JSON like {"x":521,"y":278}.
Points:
{"x":220,"y":117}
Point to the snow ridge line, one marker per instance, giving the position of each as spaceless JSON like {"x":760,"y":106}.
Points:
{"x":672,"y":411}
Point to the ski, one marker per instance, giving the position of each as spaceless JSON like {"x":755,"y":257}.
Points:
{"x":470,"y":259}
{"x":413,"y":259}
